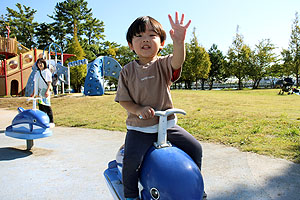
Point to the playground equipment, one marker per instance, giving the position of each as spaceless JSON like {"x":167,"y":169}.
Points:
{"x":18,"y":71}
{"x":96,"y":70}
{"x":94,"y":81}
{"x":15,"y":71}
{"x":73,"y":64}
{"x":54,"y":65}
{"x":167,"y":172}
{"x":60,"y":70}
{"x":29,"y":125}
{"x":17,"y":68}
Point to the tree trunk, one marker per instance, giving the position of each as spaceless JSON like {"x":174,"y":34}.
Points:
{"x":254,"y":86}
{"x":210,"y":83}
{"x":240,"y":84}
{"x":202,"y":84}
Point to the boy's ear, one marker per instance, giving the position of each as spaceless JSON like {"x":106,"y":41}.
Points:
{"x":130,"y":46}
{"x":162,"y":45}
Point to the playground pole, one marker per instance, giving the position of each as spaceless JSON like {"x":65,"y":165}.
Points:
{"x":35,"y":55}
{"x":69,"y":87}
{"x":21,"y":68}
{"x":8,"y":31}
{"x":63,"y":85}
{"x":5,"y":73}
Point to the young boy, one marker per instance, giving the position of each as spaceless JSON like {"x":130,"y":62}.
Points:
{"x":144,"y":86}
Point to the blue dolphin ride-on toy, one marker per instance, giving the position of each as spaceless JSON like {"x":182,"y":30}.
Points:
{"x":29,"y":125}
{"x":167,"y":172}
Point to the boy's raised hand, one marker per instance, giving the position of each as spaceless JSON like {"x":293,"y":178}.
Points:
{"x":178,"y":30}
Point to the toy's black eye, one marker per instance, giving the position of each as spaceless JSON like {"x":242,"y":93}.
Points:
{"x":34,"y":120}
{"x":154,"y":193}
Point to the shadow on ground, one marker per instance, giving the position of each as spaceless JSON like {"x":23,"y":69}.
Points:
{"x":10,"y":153}
{"x":275,"y":188}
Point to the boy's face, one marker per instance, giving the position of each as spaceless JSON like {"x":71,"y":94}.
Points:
{"x":146,"y":45}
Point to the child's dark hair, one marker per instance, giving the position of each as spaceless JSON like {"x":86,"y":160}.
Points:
{"x":139,"y":26}
{"x":42,"y":60}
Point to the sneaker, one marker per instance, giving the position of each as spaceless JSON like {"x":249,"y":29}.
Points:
{"x":52,"y":125}
{"x":204,"y":195}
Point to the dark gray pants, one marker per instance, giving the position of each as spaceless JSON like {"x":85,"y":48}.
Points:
{"x":136,"y":145}
{"x":47,"y":110}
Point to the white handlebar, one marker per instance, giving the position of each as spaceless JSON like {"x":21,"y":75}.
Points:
{"x":34,"y":102}
{"x":163,"y":125}
{"x":169,"y":112}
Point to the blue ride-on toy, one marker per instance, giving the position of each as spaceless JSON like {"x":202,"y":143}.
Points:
{"x":29,"y":125}
{"x":167,"y":172}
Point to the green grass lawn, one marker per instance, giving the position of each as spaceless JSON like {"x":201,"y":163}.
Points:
{"x":259,"y":121}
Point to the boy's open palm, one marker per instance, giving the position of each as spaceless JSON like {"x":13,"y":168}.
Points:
{"x":178,"y":30}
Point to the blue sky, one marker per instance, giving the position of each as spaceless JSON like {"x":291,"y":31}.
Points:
{"x":215,"y":20}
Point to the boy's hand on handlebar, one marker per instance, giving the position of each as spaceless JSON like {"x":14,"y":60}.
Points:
{"x":146,"y":112}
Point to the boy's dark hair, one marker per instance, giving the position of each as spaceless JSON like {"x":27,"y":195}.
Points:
{"x":42,"y":60}
{"x":139,"y":26}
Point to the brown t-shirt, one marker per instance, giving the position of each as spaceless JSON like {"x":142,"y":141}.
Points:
{"x":147,"y":85}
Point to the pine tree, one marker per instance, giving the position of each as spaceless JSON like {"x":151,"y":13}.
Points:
{"x":43,"y":35}
{"x":71,"y":13}
{"x":294,"y":48}
{"x":217,"y":71}
{"x":77,"y":73}
{"x":239,"y":55}
{"x":21,"y":23}
{"x":197,"y":64}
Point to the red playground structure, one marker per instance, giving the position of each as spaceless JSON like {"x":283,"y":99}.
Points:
{"x":16,"y":68}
